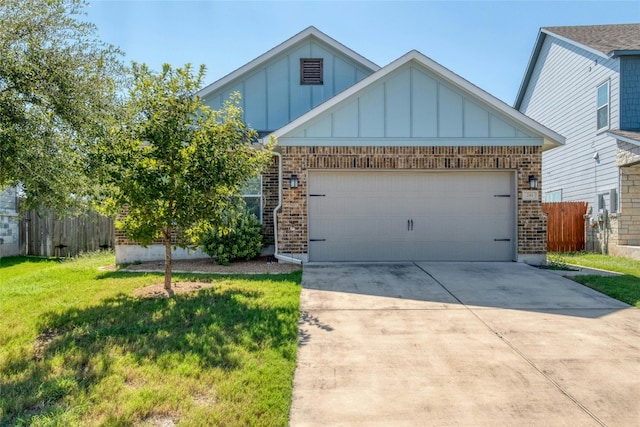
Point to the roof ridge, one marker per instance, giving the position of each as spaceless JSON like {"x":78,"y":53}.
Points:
{"x":310,"y":31}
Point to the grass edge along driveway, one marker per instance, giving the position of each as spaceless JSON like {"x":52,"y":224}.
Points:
{"x":625,"y":288}
{"x":77,"y":349}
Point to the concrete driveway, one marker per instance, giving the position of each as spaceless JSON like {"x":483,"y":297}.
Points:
{"x":467,"y":344}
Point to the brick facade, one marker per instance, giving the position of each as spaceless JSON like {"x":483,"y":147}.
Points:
{"x":627,"y":153}
{"x":269,"y":198}
{"x":629,"y":216}
{"x":122,"y":239}
{"x":620,"y":233}
{"x":292,"y":219}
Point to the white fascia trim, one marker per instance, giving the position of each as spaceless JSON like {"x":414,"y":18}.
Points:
{"x":623,"y":138}
{"x":408,"y":142}
{"x":575,"y":43}
{"x":308,"y":32}
{"x":528,"y":71}
{"x":552,"y":138}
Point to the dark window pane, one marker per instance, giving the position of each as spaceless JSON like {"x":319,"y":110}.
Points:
{"x":253,"y":206}
{"x":603,"y":117}
{"x":253,"y":186}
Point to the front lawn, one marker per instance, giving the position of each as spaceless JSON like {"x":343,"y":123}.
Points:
{"x":625,"y":288}
{"x":76,"y":348}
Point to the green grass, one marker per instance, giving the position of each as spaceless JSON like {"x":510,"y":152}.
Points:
{"x":77,"y":349}
{"x":625,"y":288}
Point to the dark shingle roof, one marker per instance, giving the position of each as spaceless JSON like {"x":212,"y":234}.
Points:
{"x":604,"y":38}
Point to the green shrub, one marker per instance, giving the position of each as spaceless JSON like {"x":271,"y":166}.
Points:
{"x":240,"y":241}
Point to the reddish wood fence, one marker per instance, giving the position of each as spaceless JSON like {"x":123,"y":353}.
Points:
{"x":565,"y":226}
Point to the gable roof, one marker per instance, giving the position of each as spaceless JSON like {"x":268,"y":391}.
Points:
{"x":606,"y":41}
{"x":550,"y":138}
{"x":309,"y":33}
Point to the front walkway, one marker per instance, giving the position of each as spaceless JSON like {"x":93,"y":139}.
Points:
{"x":471,"y":344}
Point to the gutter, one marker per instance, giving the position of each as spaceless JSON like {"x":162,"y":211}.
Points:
{"x":278,"y":256}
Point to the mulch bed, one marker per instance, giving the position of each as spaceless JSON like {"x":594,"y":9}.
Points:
{"x":261,"y":265}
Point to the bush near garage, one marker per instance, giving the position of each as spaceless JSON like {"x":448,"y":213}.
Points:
{"x":241,"y":241}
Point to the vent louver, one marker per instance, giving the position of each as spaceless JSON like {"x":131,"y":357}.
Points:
{"x":311,"y":71}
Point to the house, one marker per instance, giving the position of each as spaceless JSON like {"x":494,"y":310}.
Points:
{"x":404,"y":162}
{"x":584,"y":83}
{"x":9,"y":232}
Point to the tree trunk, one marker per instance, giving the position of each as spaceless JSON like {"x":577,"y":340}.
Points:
{"x":167,"y":262}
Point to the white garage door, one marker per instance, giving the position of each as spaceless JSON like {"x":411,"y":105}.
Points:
{"x":418,"y":216}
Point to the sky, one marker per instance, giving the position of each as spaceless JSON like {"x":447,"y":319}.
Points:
{"x":488,"y":43}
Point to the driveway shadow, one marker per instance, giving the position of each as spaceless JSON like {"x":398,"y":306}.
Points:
{"x":449,"y":285}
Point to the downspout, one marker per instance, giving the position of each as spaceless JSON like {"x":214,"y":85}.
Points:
{"x":278,"y":256}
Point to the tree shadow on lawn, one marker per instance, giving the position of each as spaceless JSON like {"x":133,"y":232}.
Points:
{"x":16,"y":260}
{"x":208,"y":327}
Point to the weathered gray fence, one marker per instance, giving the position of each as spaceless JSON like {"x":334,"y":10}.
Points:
{"x":46,"y":235}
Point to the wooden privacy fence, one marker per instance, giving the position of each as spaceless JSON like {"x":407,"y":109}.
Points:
{"x":565,"y":226}
{"x":45,"y":235}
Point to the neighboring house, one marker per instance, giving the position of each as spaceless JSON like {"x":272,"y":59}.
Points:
{"x":584,"y":83}
{"x":9,"y":233}
{"x":405,"y":162}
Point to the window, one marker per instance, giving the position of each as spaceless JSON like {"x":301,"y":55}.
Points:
{"x":603,"y":106}
{"x":311,"y":71}
{"x":553,"y":196}
{"x":252,"y":195}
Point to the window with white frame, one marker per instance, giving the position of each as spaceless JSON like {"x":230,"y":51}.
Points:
{"x":252,"y":195}
{"x":553,"y":196}
{"x":602,"y":112}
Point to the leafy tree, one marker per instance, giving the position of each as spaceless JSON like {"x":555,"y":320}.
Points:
{"x":177,"y":165}
{"x":58,"y":89}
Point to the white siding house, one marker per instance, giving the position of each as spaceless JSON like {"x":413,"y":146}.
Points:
{"x":573,"y":85}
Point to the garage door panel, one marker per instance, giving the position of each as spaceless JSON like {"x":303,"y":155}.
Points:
{"x":340,"y":227}
{"x":392,"y":216}
{"x":349,"y":250}
{"x":346,"y":206}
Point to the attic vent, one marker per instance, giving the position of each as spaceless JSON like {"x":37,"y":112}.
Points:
{"x":311,"y":71}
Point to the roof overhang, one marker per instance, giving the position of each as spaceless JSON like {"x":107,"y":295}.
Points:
{"x":632,"y":137}
{"x":542,"y":34}
{"x":529,"y":70}
{"x":618,"y":53}
{"x":580,"y":45}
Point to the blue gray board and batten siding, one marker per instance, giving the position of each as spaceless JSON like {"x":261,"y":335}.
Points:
{"x":272,"y":95}
{"x":630,"y":92}
{"x":565,"y":78}
{"x":411,"y":106}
